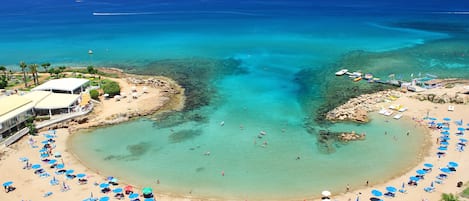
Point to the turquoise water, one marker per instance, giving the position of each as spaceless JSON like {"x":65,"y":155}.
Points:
{"x":273,"y":41}
{"x":140,"y":153}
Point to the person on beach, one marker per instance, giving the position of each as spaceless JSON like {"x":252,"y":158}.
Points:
{"x":367,"y":182}
{"x":223,"y":173}
{"x":347,"y":188}
{"x":157,"y":181}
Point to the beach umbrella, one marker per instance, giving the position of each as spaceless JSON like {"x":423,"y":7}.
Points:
{"x":326,"y":193}
{"x":421,"y":172}
{"x":442,"y":148}
{"x":148,"y":190}
{"x":105,"y":198}
{"x":117,"y":190}
{"x":461,"y":129}
{"x":69,"y":171}
{"x":453,"y":164}
{"x":445,"y":138}
{"x":415,"y":178}
{"x":445,"y":128}
{"x":149,"y":199}
{"x":133,"y":195}
{"x":81,"y":175}
{"x":428,"y":165}
{"x":103,"y":185}
{"x":45,"y":142}
{"x":445,"y":170}
{"x":432,"y":118}
{"x":36,"y":166}
{"x":445,"y":133}
{"x":8,"y":183}
{"x":439,"y":124}
{"x":60,"y":166}
{"x":44,"y":155}
{"x":391,"y":189}
{"x":24,"y":159}
{"x":376,"y":193}
{"x":114,"y":180}
{"x":463,"y":139}
{"x":53,"y":161}
{"x":57,"y":154}
{"x":49,"y":136}
{"x":446,"y":119}
{"x":444,"y":143}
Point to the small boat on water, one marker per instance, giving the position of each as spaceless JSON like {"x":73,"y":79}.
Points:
{"x":382,"y":111}
{"x":388,"y":113}
{"x":368,"y":76}
{"x":263,"y":133}
{"x":341,"y":72}
{"x":357,"y":79}
{"x":222,"y":123}
{"x":355,"y":75}
{"x":90,"y":51}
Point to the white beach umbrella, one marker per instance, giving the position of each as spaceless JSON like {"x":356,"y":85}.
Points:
{"x":326,"y":193}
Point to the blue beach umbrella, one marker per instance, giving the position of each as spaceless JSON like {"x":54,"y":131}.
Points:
{"x":453,"y":164}
{"x":391,"y":189}
{"x":445,"y":128}
{"x":444,"y":143}
{"x":24,"y":159}
{"x":432,"y":118}
{"x":8,"y":183}
{"x":45,"y":142}
{"x":446,"y":119}
{"x":151,"y":199}
{"x":376,"y":193}
{"x":43,"y":150}
{"x":445,"y":138}
{"x":49,"y":136}
{"x":439,"y":124}
{"x":44,"y":155}
{"x":421,"y":172}
{"x":117,"y":190}
{"x":445,"y":133}
{"x":133,"y":195}
{"x":461,"y":129}
{"x":69,"y":171}
{"x":81,"y":175}
{"x":445,"y":170}
{"x":463,"y":139}
{"x":53,"y":161}
{"x":415,"y":178}
{"x":103,"y":185}
{"x":36,"y":166}
{"x":442,"y":148}
{"x":428,"y":165}
{"x":60,"y":166}
{"x":105,"y":198}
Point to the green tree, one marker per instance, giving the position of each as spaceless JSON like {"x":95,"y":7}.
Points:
{"x":33,"y":69}
{"x":45,"y":66}
{"x":30,"y":124}
{"x":4,"y":70}
{"x":23,"y":67}
{"x":112,"y":88}
{"x":3,"y":82}
{"x":449,"y":197}
{"x":94,"y":94}
{"x":91,"y":70}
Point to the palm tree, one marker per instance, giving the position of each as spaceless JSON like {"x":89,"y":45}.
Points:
{"x":23,"y":66}
{"x":33,"y":68}
{"x":449,"y":197}
{"x":45,"y":66}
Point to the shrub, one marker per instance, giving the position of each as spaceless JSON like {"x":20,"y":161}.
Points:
{"x":94,"y":94}
{"x":110,"y":87}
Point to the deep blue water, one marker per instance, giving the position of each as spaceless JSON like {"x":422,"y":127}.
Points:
{"x":274,"y":40}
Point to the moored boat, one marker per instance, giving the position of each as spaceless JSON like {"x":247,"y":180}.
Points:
{"x":341,"y":72}
{"x":357,"y":79}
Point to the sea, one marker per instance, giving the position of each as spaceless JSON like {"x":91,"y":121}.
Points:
{"x":259,"y":76}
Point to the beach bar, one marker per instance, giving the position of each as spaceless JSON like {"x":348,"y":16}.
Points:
{"x":14,"y":112}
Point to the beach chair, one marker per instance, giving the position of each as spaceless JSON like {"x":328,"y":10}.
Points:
{"x":402,"y":190}
{"x":44,"y":175}
{"x":54,"y":182}
{"x":429,"y":189}
{"x":47,"y":194}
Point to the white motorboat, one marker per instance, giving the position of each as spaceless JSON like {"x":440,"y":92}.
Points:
{"x":341,"y":72}
{"x":388,"y":113}
{"x":382,"y":111}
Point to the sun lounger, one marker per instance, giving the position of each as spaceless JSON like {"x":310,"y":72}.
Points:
{"x":402,"y":190}
{"x":47,"y":194}
{"x":44,"y":175}
{"x":450,"y":108}
{"x":389,"y":194}
{"x":429,"y":189}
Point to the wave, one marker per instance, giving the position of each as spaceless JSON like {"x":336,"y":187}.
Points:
{"x":176,"y":12}
{"x":453,"y":12}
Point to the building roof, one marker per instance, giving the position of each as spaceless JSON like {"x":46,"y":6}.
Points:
{"x":37,"y":96}
{"x":11,"y":106}
{"x":57,"y":101}
{"x":64,"y":84}
{"x":10,"y":103}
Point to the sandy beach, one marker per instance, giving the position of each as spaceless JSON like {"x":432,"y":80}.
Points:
{"x":31,"y":186}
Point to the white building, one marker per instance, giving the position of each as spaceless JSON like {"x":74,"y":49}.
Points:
{"x":64,"y":85}
{"x":14,"y":112}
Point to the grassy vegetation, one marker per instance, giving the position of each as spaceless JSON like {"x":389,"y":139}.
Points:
{"x":465,"y":193}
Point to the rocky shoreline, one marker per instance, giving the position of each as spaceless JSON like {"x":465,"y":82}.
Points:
{"x":356,"y":109}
